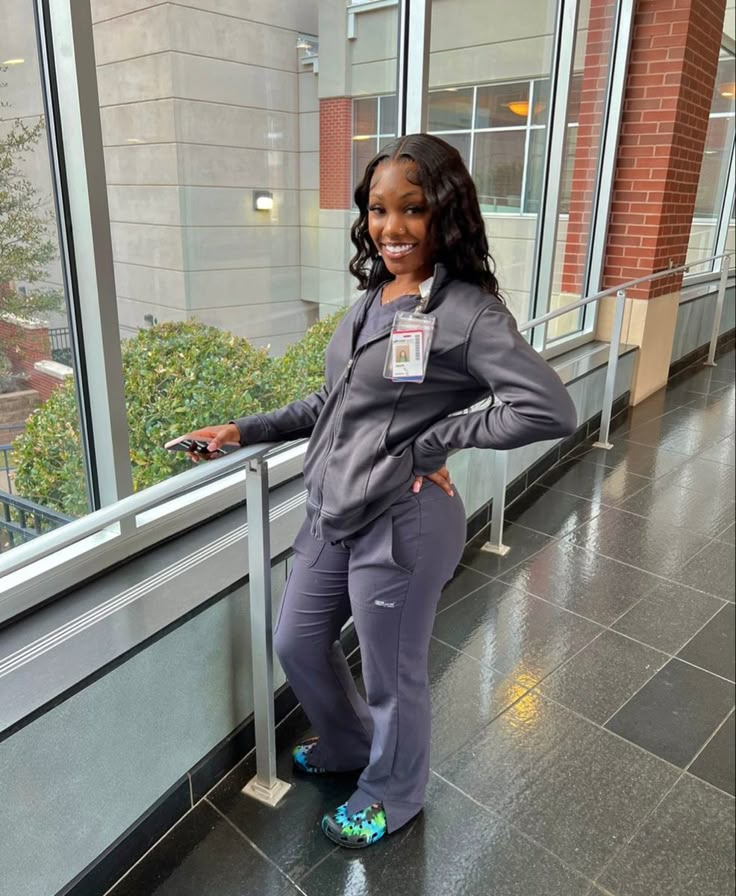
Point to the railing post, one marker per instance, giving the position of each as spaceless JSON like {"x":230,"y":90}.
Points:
{"x":610,"y":387}
{"x":725,"y":262}
{"x":495,"y":543}
{"x":265,"y":786}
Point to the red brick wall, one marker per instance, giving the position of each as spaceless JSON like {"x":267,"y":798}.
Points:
{"x":668,"y":97}
{"x":335,"y":152}
{"x":672,"y":69}
{"x":24,"y":346}
{"x":592,"y":99}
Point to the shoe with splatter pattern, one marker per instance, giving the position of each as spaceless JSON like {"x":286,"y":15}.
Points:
{"x":300,"y":756}
{"x":358,"y":830}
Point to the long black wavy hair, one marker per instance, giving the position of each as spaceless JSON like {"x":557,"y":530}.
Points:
{"x":456,"y":229}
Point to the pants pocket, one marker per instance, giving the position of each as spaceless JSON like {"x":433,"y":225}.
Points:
{"x":403,"y":533}
{"x":307,"y":548}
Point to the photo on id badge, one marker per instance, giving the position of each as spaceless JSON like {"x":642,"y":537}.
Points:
{"x":406,"y":355}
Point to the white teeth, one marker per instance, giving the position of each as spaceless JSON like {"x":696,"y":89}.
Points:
{"x":397,"y":248}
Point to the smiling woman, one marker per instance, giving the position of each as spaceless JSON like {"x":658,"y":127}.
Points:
{"x":385,"y":527}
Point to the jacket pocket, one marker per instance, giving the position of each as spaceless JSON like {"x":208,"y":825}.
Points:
{"x":389,"y":473}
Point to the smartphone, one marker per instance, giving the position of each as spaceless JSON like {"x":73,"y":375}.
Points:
{"x":196,"y":446}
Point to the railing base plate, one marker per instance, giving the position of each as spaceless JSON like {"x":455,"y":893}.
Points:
{"x":500,"y":549}
{"x":709,"y":364}
{"x":606,"y":445}
{"x":271,"y":796}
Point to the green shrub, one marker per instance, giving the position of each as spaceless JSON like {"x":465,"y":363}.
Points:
{"x":178,"y":376}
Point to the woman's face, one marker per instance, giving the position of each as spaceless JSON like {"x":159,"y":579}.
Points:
{"x":398,"y":221}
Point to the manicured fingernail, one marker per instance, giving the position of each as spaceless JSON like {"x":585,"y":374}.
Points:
{"x":415,"y":488}
{"x":452,"y":494}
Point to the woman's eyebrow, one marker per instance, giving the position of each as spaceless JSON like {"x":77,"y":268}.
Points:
{"x":403,"y":195}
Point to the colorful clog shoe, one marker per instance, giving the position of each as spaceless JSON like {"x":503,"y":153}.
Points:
{"x":355,"y":831}
{"x":300,"y":755}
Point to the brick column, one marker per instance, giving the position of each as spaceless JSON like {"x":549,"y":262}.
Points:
{"x":335,"y":152}
{"x":669,"y":90}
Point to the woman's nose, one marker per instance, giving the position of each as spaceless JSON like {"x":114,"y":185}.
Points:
{"x":394,"y":226}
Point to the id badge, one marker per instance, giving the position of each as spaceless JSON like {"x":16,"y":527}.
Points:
{"x":408,"y":347}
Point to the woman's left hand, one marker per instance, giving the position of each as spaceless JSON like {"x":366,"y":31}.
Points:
{"x":441,"y":478}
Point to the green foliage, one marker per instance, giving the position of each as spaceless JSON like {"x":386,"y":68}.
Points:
{"x":178,"y":377}
{"x":302,"y":368}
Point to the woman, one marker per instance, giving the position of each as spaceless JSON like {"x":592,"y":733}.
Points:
{"x":385,"y":528}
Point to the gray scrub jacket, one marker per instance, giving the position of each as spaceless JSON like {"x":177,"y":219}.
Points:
{"x":369,"y":437}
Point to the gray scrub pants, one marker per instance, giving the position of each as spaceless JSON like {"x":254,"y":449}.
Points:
{"x":388,"y":577}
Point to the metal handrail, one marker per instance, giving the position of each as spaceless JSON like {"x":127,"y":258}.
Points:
{"x":581,"y":303}
{"x":495,"y":544}
{"x":128,"y":508}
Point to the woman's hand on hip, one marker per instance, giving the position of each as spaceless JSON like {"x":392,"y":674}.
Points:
{"x":440,"y":478}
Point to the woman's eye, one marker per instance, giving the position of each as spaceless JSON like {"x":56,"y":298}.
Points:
{"x":375,"y":209}
{"x":415,"y":210}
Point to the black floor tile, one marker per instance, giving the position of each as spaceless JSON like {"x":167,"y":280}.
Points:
{"x":703,"y":380}
{"x":289,"y":834}
{"x":572,"y":786}
{"x":706,"y":514}
{"x":685,"y":848}
{"x":669,"y":616}
{"x":453,"y":848}
{"x":712,"y":570}
{"x":675,"y":713}
{"x":716,"y":763}
{"x":705,"y":476}
{"x":465,"y":697}
{"x":647,"y":544}
{"x":680,"y":439}
{"x":603,"y":676}
{"x":523,"y":544}
{"x":641,"y":460}
{"x":551,"y":512}
{"x":714,"y":646}
{"x":463,"y":582}
{"x":657,"y":405}
{"x":203,"y":854}
{"x":582,"y":581}
{"x":728,"y":535}
{"x":723,"y":452}
{"x":513,"y":632}
{"x":594,"y":482}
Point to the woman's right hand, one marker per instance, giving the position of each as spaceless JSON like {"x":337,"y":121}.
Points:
{"x":216,"y":436}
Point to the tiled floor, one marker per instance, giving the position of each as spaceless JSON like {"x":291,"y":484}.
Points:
{"x":583,"y":700}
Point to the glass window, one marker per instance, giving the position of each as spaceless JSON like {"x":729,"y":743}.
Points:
{"x":37,"y":367}
{"x":503,"y":62}
{"x":578,"y":186}
{"x":389,"y":115}
{"x":461,"y":142}
{"x":450,"y":110}
{"x":503,"y":105}
{"x":230,"y":164}
{"x":366,"y":116}
{"x":498,"y":170}
{"x":365,"y":145}
{"x":717,"y":154}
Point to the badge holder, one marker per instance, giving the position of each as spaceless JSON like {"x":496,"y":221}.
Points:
{"x":408,"y":347}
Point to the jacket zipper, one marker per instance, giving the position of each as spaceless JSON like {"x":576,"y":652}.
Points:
{"x":347,"y":373}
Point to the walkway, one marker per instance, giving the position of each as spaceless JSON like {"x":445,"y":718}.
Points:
{"x":583,"y":700}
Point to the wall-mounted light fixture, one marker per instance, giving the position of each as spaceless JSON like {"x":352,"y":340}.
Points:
{"x":262,"y":200}
{"x":310,"y":45}
{"x":12,"y":62}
